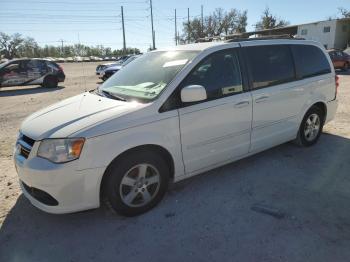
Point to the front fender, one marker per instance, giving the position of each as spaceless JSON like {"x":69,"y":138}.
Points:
{"x":101,"y":150}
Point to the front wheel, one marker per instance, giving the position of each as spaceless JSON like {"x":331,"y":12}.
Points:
{"x":136,"y":183}
{"x":311,"y":127}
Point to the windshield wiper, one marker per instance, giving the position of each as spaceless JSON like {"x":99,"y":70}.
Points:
{"x":112,"y":95}
{"x":103,"y":93}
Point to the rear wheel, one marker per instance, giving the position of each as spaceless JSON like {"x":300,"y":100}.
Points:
{"x":311,"y":127}
{"x":50,"y":82}
{"x":136,"y":183}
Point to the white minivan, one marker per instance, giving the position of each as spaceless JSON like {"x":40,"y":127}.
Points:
{"x":172,"y":114}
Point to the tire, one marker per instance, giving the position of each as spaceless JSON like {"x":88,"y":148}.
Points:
{"x":311,"y":127}
{"x":346,"y":67}
{"x":50,"y":82}
{"x":136,"y":183}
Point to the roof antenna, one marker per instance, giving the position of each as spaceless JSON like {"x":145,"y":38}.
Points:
{"x":82,"y":62}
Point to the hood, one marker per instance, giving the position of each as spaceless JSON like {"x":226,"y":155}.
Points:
{"x":73,"y":114}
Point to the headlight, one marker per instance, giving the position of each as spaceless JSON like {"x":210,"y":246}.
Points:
{"x":61,"y":150}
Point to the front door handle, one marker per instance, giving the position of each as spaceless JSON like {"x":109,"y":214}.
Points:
{"x":261,"y":99}
{"x":241,"y":104}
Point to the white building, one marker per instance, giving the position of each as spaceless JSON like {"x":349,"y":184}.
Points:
{"x":333,"y":34}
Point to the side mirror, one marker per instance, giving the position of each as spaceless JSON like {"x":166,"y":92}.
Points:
{"x":193,"y":93}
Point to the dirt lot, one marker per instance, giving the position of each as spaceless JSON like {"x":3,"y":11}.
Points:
{"x":206,"y":218}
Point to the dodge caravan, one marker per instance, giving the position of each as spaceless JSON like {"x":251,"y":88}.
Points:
{"x":172,"y":114}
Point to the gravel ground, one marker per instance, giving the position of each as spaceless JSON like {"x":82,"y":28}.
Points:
{"x":205,"y":218}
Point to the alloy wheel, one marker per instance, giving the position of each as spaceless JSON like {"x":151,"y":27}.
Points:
{"x":139,"y":185}
{"x":312,"y":127}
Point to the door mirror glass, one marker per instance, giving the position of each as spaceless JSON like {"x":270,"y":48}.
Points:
{"x":193,"y":93}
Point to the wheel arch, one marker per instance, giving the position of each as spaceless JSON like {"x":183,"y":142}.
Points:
{"x":322,"y":106}
{"x":157,"y":149}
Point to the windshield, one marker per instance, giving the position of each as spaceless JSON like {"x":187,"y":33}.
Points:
{"x":148,"y":75}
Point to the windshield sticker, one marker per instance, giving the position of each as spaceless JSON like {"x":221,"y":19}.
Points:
{"x":175,"y":63}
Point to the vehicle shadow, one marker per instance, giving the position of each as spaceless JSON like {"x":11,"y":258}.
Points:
{"x":15,"y":91}
{"x":209,"y":217}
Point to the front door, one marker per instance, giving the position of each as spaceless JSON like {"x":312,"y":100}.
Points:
{"x":218,"y":129}
{"x":13,"y":74}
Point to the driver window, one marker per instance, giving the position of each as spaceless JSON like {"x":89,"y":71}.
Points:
{"x":219,"y":74}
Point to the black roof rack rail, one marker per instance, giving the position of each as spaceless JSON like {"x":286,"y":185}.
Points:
{"x":208,"y":39}
{"x":269,"y":37}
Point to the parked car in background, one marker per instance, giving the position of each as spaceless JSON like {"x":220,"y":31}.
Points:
{"x":340,"y":59}
{"x":78,"y":59}
{"x":49,"y":59}
{"x":109,"y":71}
{"x":101,"y":67}
{"x":170,"y":115}
{"x":121,"y":59}
{"x":31,"y":72}
{"x":69,"y":59}
{"x":60,"y":60}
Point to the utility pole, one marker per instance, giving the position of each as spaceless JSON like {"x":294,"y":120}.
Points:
{"x":202,"y":27}
{"x":175,"y":29}
{"x":153,"y":38}
{"x":61,"y":40}
{"x":188,"y":24}
{"x":124,"y":44}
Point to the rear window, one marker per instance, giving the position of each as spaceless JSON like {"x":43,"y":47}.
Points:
{"x":52,"y":65}
{"x":270,"y":65}
{"x":310,"y":61}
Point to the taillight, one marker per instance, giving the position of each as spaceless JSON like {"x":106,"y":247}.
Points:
{"x":336,"y":84}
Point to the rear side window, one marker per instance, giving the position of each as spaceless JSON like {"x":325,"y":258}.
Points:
{"x":52,"y":65}
{"x":310,"y":61}
{"x":270,"y":65}
{"x":35,"y":65}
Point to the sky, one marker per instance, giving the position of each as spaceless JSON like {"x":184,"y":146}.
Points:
{"x":98,"y":22}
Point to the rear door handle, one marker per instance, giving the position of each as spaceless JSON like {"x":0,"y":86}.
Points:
{"x":241,"y":104}
{"x":261,"y":99}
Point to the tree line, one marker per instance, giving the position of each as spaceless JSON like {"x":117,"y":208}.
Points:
{"x":13,"y":46}
{"x":221,"y":23}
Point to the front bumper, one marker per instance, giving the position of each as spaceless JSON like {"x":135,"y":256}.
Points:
{"x":74,"y":190}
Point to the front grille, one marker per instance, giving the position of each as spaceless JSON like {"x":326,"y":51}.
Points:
{"x":24,"y":152}
{"x":24,"y":145}
{"x":40,"y":195}
{"x":28,"y":140}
